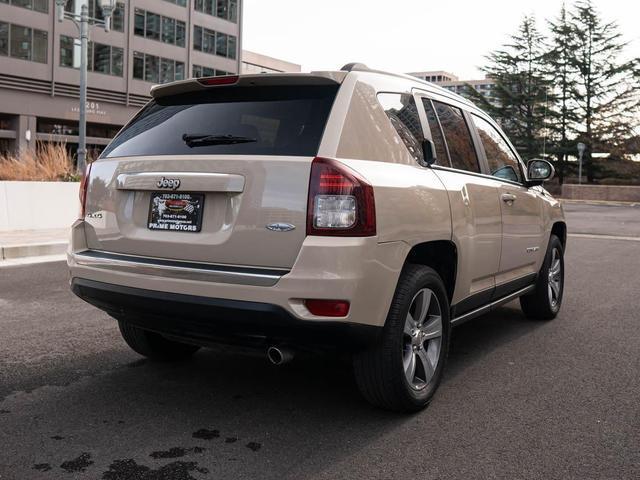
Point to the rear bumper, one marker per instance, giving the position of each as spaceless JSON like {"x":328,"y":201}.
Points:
{"x":206,"y":320}
{"x":359,"y":270}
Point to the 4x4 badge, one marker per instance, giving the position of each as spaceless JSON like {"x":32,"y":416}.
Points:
{"x":280,"y":227}
{"x":172,"y":183}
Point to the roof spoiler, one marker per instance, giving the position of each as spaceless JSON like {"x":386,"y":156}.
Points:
{"x":261,"y":79}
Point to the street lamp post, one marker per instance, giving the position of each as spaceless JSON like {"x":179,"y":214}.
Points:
{"x":581,"y":149}
{"x":83,"y":21}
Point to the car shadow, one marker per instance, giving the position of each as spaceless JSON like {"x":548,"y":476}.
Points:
{"x":471,"y":341}
{"x":233,"y":415}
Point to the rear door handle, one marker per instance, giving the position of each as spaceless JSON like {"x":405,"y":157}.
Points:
{"x":508,"y":197}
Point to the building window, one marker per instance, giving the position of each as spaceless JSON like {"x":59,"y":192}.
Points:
{"x":156,"y":69}
{"x":37,"y":5}
{"x":69,"y":127}
{"x":152,"y":26}
{"x":221,"y":44}
{"x":215,"y":43}
{"x":4,"y":38}
{"x":231,"y":52}
{"x":117,"y":18}
{"x":156,"y":27}
{"x":101,"y":58}
{"x":200,"y":71}
{"x":225,"y":9}
{"x":182,"y":3}
{"x":168,"y":30}
{"x":24,"y":43}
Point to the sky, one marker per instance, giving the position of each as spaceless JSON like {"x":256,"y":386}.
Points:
{"x":405,"y":35}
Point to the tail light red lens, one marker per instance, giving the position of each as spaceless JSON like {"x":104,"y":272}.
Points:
{"x":222,"y":80}
{"x":328,"y":308}
{"x":84,"y":186}
{"x":340,"y":201}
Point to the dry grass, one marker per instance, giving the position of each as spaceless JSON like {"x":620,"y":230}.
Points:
{"x":49,"y":162}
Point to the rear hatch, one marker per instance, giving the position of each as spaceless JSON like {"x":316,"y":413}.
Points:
{"x":212,"y":173}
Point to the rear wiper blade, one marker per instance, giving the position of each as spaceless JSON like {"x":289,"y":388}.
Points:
{"x":196,"y":140}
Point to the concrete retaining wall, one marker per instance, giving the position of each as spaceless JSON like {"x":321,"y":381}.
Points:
{"x":615,"y":193}
{"x":37,"y":205}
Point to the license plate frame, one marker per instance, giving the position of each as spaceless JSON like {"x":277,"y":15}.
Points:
{"x":175,"y":212}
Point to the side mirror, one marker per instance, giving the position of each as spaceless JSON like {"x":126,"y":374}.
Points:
{"x":428,"y":151}
{"x":539,"y":171}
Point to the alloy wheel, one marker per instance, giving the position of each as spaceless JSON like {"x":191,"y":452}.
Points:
{"x":422,"y":339}
{"x":555,"y":278}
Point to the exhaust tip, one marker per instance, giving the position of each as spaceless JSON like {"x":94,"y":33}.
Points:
{"x":279,"y":356}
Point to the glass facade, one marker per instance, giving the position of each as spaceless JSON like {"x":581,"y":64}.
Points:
{"x":157,"y":27}
{"x":24,"y":43}
{"x":37,"y":5}
{"x":101,"y":58}
{"x":117,"y":18}
{"x":200,"y":71}
{"x":215,"y":43}
{"x":26,"y":39}
{"x":153,"y":69}
{"x":225,"y":9}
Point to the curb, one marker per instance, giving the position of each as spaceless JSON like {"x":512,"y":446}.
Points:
{"x":10,"y":252}
{"x":613,"y":203}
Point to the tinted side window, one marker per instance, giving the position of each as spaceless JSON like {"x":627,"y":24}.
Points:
{"x":442,"y":158}
{"x":456,"y":133}
{"x":403,"y":113}
{"x":502,"y":161}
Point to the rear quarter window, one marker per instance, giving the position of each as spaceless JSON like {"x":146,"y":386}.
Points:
{"x":402,"y":112}
{"x":271,"y":120}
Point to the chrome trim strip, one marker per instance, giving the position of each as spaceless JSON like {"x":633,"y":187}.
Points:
{"x":496,"y":303}
{"x":177,"y":270}
{"x":189,"y":181}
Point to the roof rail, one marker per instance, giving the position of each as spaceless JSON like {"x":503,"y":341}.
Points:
{"x":355,"y":66}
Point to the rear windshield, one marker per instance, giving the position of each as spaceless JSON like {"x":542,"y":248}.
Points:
{"x":229,"y":120}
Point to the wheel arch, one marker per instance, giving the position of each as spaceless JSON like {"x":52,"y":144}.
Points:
{"x":442,"y":256}
{"x":559,"y":229}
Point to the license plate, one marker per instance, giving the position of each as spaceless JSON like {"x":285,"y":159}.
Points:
{"x":176,"y":212}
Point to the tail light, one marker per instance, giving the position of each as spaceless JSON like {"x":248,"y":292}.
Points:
{"x":340,"y":201}
{"x":327,"y":308}
{"x":84,"y":186}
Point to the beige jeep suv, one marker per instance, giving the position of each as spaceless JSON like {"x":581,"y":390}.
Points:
{"x":354,"y":209}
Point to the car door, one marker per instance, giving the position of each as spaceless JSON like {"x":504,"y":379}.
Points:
{"x":521,"y":208}
{"x":475,"y":207}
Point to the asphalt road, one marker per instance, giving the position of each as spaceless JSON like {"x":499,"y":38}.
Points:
{"x":521,"y":399}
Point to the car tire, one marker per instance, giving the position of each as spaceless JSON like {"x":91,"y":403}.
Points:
{"x":545,"y":301}
{"x":382,"y":371}
{"x":153,"y":345}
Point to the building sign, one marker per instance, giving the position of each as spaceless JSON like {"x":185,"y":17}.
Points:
{"x":93,"y":108}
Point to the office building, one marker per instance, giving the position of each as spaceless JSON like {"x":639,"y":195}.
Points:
{"x":151,"y":41}
{"x":256,"y":63}
{"x":451,"y":82}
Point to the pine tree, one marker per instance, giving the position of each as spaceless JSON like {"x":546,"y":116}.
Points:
{"x":521,"y":88}
{"x":562,"y":116}
{"x":608,"y":90}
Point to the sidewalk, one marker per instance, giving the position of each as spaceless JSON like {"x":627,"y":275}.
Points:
{"x":32,"y":243}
